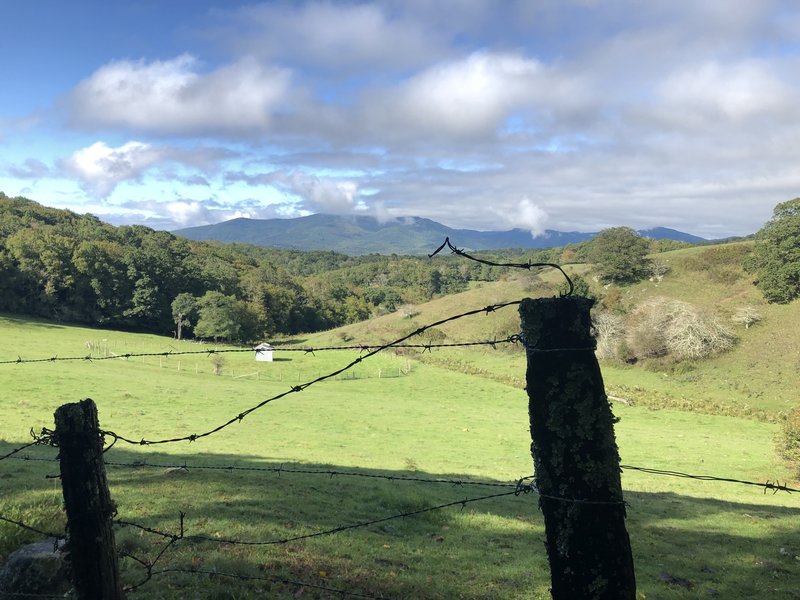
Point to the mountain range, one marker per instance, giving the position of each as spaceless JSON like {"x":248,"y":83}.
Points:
{"x":355,"y":235}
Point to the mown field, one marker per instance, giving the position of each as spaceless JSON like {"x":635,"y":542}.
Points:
{"x":448,"y":414}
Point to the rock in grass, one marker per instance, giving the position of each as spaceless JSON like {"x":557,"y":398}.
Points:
{"x":39,"y":568}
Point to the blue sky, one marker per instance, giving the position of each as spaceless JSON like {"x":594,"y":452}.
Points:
{"x":559,"y":114}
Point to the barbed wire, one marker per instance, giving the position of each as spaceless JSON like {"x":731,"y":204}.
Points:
{"x":149,"y":565}
{"x":331,"y":473}
{"x":20,"y":524}
{"x":36,"y":442}
{"x":512,"y":339}
{"x":526,"y":265}
{"x":775,"y":486}
{"x":299,"y":388}
{"x":520,"y":489}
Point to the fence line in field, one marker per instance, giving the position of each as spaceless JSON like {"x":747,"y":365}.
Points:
{"x":520,"y":487}
{"x":769,"y":485}
{"x":362,"y":347}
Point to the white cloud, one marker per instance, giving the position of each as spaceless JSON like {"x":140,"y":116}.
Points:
{"x":100,"y":168}
{"x":529,"y":216}
{"x":472,"y":96}
{"x":320,"y":194}
{"x":735,"y":91}
{"x":341,"y":36}
{"x":174,"y":97}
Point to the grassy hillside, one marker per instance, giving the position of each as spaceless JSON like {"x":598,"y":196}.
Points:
{"x":758,"y":377}
{"x":396,"y":416}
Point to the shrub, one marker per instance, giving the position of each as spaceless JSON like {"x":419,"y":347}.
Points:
{"x":661,"y":327}
{"x":620,"y":255}
{"x":747,"y":316}
{"x":613,"y":300}
{"x":724,"y":264}
{"x":408,"y":311}
{"x":776,"y":256}
{"x":658,"y":269}
{"x":217,"y":363}
{"x":789,"y":439}
{"x":609,"y":330}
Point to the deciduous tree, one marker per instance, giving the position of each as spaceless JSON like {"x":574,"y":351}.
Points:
{"x":620,"y":255}
{"x":776,"y":256}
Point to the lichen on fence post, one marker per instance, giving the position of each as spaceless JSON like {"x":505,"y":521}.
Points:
{"x":575,"y":454}
{"x":91,"y":551}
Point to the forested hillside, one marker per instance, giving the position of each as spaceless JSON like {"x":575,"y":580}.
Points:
{"x":75,"y":268}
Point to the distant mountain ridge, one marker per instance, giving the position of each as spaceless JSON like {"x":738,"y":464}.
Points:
{"x":357,"y":235}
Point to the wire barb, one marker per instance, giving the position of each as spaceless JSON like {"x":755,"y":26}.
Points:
{"x":528,"y":265}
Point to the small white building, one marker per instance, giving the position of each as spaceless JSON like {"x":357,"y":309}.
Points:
{"x":264,"y":352}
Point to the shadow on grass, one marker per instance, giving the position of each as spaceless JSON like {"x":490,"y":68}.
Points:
{"x":685,"y":547}
{"x":30,"y":321}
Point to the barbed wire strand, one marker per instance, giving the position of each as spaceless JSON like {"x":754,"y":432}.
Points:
{"x":521,"y":489}
{"x":276,"y":348}
{"x":149,"y":565}
{"x":20,"y":524}
{"x":775,"y":486}
{"x":528,"y":265}
{"x":331,"y":473}
{"x":35,"y":442}
{"x":299,"y":388}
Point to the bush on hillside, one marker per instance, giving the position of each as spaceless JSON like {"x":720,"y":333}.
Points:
{"x":661,"y":327}
{"x":580,"y":288}
{"x":723,"y":264}
{"x":609,"y":330}
{"x":789,"y":439}
{"x":612,"y":300}
{"x":776,"y":256}
{"x":747,"y":316}
{"x":658,"y":269}
{"x":620,"y":255}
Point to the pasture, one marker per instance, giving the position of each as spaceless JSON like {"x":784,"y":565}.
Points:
{"x":392,"y":415}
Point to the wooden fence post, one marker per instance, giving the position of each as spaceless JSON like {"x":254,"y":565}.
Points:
{"x":91,"y":550}
{"x":575,"y":454}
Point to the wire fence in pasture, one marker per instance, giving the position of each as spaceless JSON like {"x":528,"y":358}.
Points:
{"x":522,"y":487}
{"x":157,"y":565}
{"x":365,"y":347}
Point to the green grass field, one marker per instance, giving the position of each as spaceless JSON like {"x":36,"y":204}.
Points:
{"x":392,"y":415}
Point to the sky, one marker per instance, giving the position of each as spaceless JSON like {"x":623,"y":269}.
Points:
{"x":574,"y":115}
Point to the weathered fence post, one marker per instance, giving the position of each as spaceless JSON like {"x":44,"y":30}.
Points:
{"x":575,"y":454}
{"x":91,"y":549}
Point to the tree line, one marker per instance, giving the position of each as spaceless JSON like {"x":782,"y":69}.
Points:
{"x":60,"y":265}
{"x":75,"y":268}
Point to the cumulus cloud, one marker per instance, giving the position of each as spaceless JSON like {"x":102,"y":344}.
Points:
{"x":472,"y":96}
{"x":174,"y":97}
{"x":186,"y":212}
{"x":529,"y":216}
{"x":101,"y":168}
{"x":340,"y":36}
{"x":321,"y":194}
{"x":314,"y":193}
{"x":733,"y":91}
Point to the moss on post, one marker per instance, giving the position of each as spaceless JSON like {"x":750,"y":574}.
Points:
{"x":575,"y":454}
{"x":91,"y":551}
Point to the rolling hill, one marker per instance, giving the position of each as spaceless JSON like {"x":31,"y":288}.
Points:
{"x":357,"y":235}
